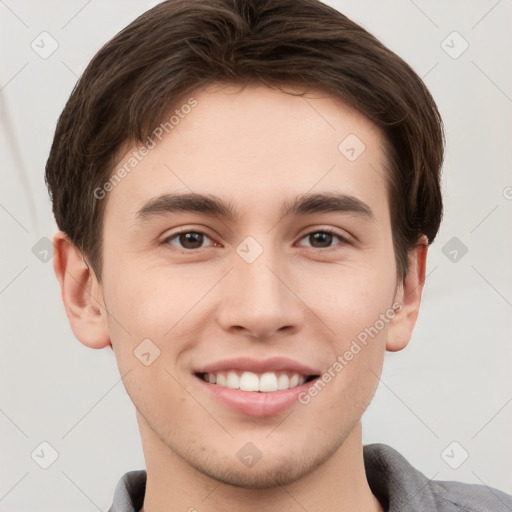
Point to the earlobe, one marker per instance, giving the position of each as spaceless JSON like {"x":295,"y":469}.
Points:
{"x":408,"y":299}
{"x":81,"y":294}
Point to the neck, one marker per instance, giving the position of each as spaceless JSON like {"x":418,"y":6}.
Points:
{"x":337,"y":485}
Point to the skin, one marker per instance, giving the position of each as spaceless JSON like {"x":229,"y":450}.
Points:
{"x":254,"y":148}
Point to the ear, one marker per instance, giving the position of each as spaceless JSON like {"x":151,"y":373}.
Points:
{"x":408,"y":299}
{"x":81,"y":294}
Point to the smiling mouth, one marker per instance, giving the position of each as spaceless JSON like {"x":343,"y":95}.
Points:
{"x":257,"y":382}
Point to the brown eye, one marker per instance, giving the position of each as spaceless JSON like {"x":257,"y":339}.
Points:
{"x":188,"y":239}
{"x":323,"y":239}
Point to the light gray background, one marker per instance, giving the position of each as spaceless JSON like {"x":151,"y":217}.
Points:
{"x":451,"y":384}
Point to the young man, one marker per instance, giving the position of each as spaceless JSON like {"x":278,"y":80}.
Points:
{"x":246,"y":191}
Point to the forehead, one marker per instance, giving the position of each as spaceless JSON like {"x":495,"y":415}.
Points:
{"x":254,"y":146}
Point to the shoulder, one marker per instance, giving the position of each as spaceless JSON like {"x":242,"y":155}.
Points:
{"x":401,"y":487}
{"x":129,"y":492}
{"x":469,"y":497}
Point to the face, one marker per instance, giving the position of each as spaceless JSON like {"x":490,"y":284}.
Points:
{"x":265,"y":277}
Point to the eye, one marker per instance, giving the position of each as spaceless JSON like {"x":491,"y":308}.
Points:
{"x":322,"y":239}
{"x":190,"y":240}
{"x":187,"y":240}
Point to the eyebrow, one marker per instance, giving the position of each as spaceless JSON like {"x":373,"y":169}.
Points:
{"x":212,"y":205}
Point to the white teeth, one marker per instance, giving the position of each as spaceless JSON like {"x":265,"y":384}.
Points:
{"x":294,"y":380}
{"x":283,"y":382}
{"x":268,"y":382}
{"x":250,"y":381}
{"x":221,"y":379}
{"x":232,"y":380}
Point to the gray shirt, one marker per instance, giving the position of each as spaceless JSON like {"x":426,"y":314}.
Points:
{"x":397,"y":485}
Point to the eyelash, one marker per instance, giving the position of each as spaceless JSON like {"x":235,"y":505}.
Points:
{"x":330,"y":231}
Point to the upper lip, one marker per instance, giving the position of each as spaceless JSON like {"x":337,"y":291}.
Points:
{"x":274,"y":364}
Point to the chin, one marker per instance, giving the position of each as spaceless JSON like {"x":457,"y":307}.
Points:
{"x":279,"y":466}
{"x":263,"y":475}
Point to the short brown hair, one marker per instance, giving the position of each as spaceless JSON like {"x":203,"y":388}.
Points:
{"x":180,"y":45}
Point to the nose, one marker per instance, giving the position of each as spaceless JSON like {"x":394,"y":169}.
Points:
{"x":258,"y":299}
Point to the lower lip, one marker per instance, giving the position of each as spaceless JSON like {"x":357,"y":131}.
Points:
{"x":257,"y":403}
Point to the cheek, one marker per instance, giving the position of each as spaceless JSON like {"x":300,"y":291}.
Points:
{"x":151,"y":299}
{"x":355,"y":303}
{"x":158,"y":304}
{"x":351,"y":298}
